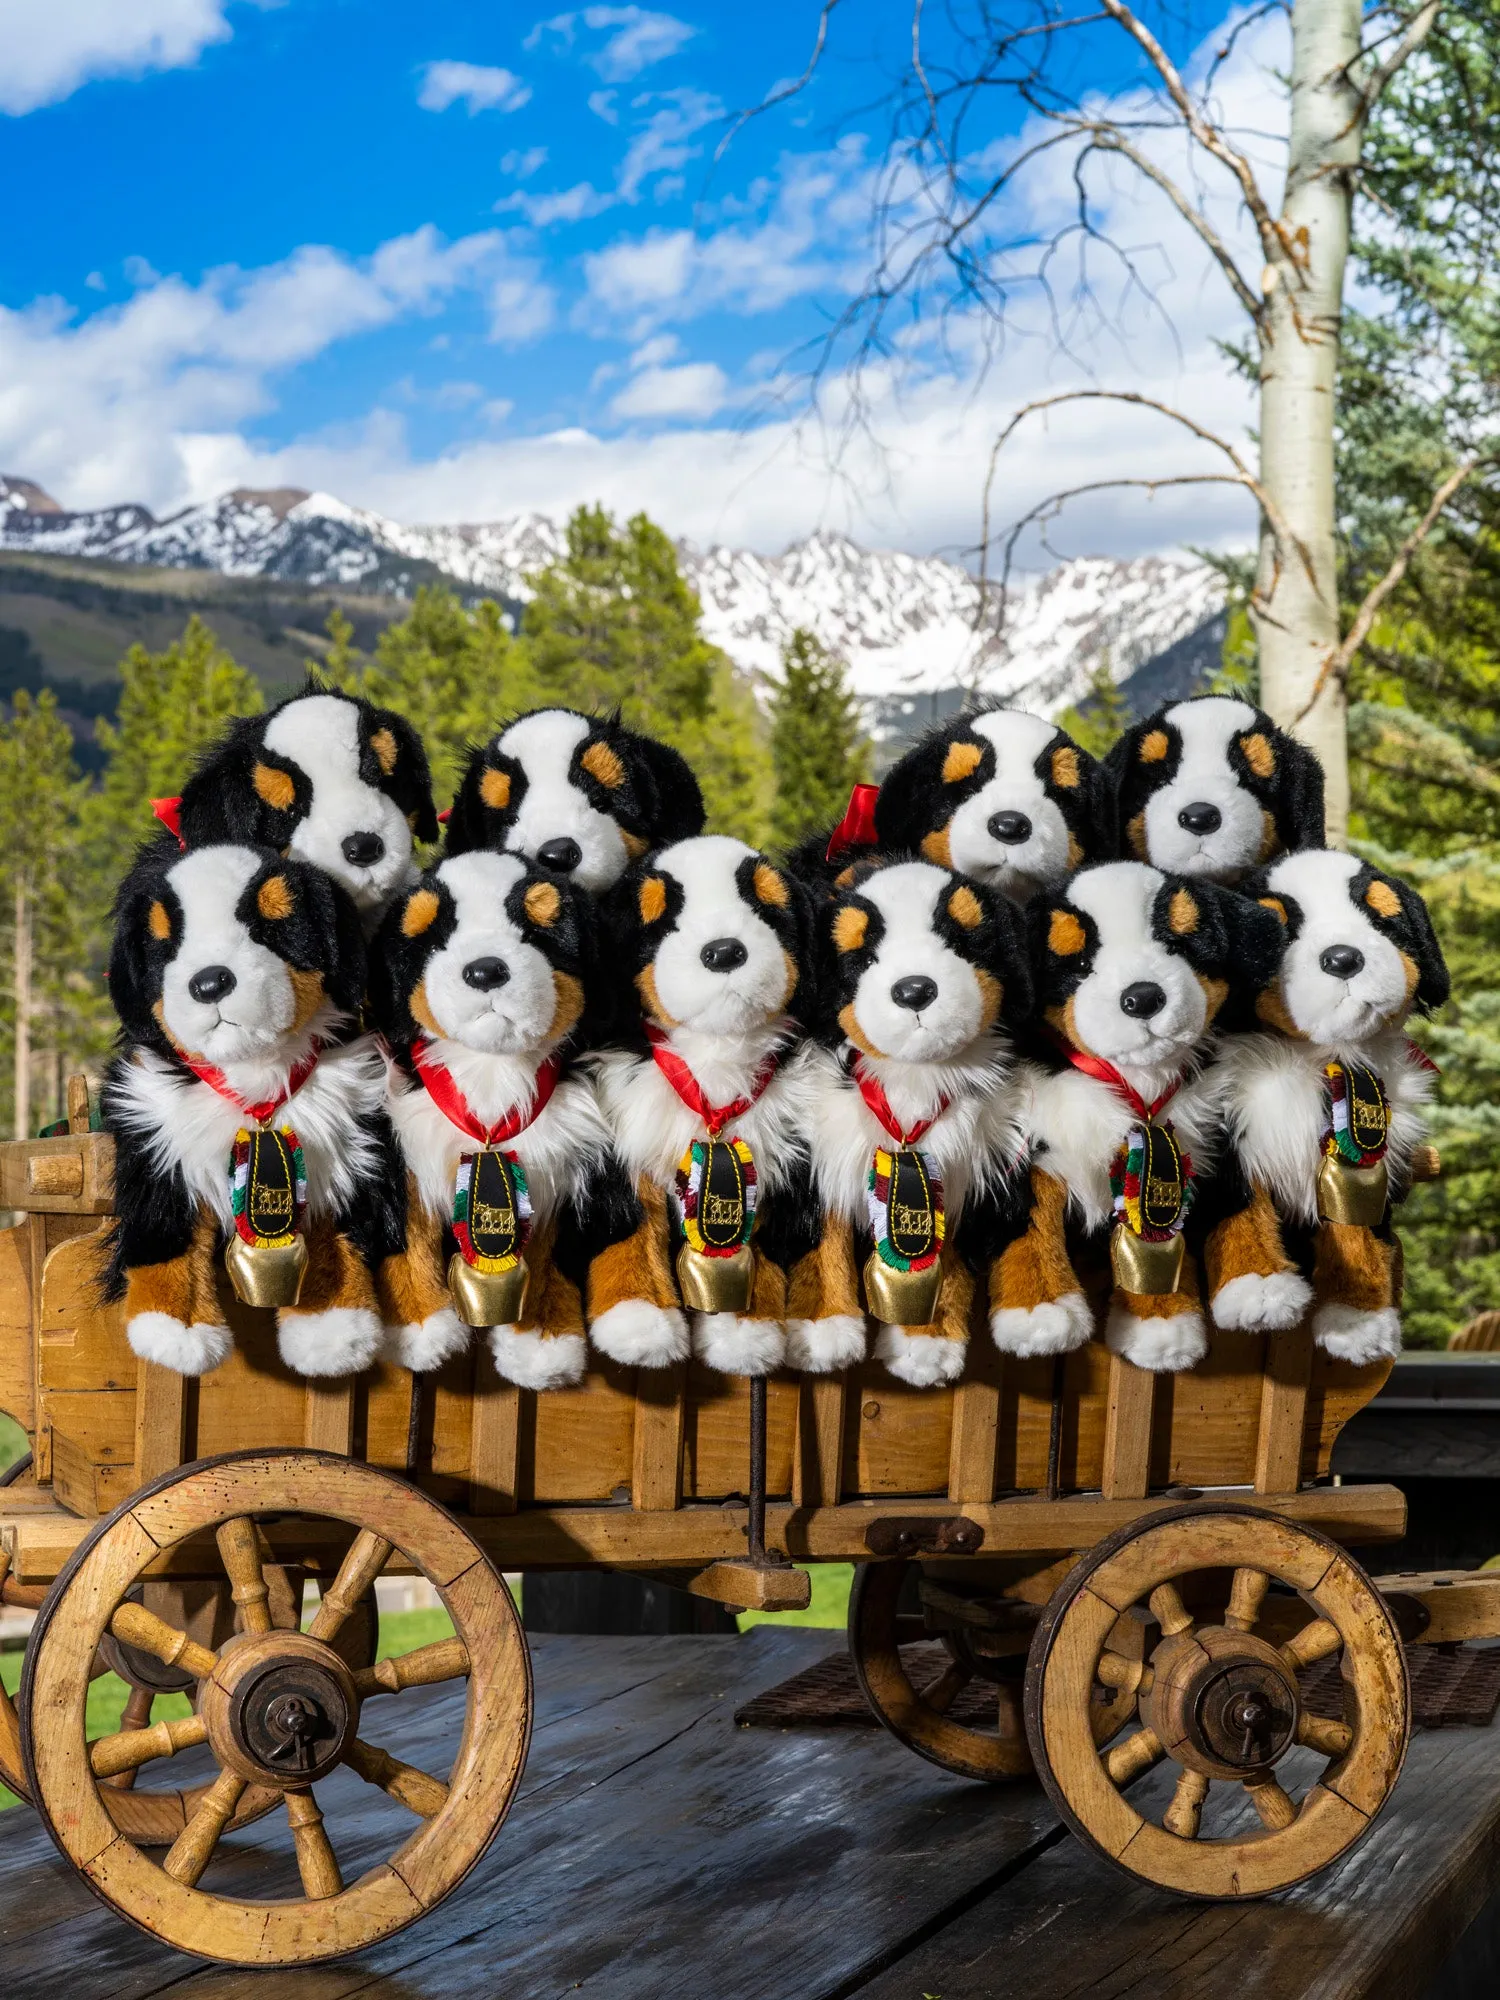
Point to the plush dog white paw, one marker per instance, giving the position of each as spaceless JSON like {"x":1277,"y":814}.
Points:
{"x":1162,"y":1344}
{"x":190,"y":1350}
{"x":427,"y":1343}
{"x":641,"y":1335}
{"x":1352,"y":1335}
{"x":342,"y":1341}
{"x":925,"y":1360}
{"x":1256,"y":1303}
{"x":534,"y":1360}
{"x":1056,"y":1326}
{"x":739,"y":1346}
{"x":824,"y":1346}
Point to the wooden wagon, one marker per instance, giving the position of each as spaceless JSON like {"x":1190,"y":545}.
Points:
{"x":1134,"y":1567}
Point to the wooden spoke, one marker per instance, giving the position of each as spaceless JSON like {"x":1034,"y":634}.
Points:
{"x":1246,"y":1595}
{"x":408,"y":1786}
{"x":1169,"y":1611}
{"x":1009,"y":1715}
{"x":1116,"y":1671}
{"x":1184,"y":1815}
{"x":1313,"y":1642}
{"x":134,"y":1625}
{"x":1136,"y":1754}
{"x":1331,"y":1739}
{"x":193,"y":1848}
{"x":136,"y":1716}
{"x":127,"y":1751}
{"x":948,"y":1686}
{"x":316,"y":1861}
{"x":1277,"y":1811}
{"x":357,"y":1572}
{"x":443,"y":1660}
{"x":239,"y":1549}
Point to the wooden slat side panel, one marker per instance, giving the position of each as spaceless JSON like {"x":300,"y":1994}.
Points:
{"x":660,"y":1414}
{"x":1207,"y":1435}
{"x":716,"y":1434}
{"x":252,"y":1402}
{"x":897,"y":1439}
{"x":822,"y":1404}
{"x":81,"y":1341}
{"x":1336,"y":1391}
{"x":1026,"y":1421}
{"x":1283,"y":1411}
{"x":582,"y":1439}
{"x":17,"y":1333}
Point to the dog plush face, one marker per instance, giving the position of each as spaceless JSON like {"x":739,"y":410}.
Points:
{"x":228,"y":953}
{"x":584,"y":796}
{"x":1211,"y":788}
{"x":715,"y":937}
{"x":324,"y":777}
{"x":924,"y":962}
{"x":487,"y":950}
{"x":1135,"y":966}
{"x":1360,"y":949}
{"x":1003,"y":797}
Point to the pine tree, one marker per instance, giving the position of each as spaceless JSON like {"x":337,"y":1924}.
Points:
{"x":818,"y":750}
{"x":1102,"y":717}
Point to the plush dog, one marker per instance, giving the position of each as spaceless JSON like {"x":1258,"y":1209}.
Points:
{"x":998,"y":795}
{"x":242,"y":1113}
{"x":325,"y":777}
{"x":483,"y":985}
{"x":1211,"y":788}
{"x":581,"y":794}
{"x":1132,"y":969}
{"x":708,"y":1104}
{"x":1324,"y":1104}
{"x":916,"y":1125}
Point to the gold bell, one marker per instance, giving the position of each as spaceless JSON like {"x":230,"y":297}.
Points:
{"x":266,"y":1274}
{"x":1145,"y":1268}
{"x":901,"y":1298}
{"x":1355,"y":1195}
{"x":715,"y":1284}
{"x":487,"y":1298}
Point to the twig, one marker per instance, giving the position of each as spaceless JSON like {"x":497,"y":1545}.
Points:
{"x":1109,"y":139}
{"x":1417,"y":30}
{"x":786,"y":90}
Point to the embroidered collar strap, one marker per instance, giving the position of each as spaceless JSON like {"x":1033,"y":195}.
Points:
{"x":267,"y":1108}
{"x":1107,"y":1073}
{"x":873,"y":1092}
{"x":450,"y":1100}
{"x":715,"y":1116}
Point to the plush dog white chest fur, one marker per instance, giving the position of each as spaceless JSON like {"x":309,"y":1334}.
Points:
{"x":1078,"y":1123}
{"x":1275,"y":1104}
{"x":191,"y":1128}
{"x":652,"y":1128}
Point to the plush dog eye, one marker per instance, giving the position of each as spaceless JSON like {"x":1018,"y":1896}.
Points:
{"x":653,"y":899}
{"x":494,"y":789}
{"x":383,"y":743}
{"x":1277,"y":908}
{"x":965,"y":908}
{"x":1383,"y":900}
{"x":1259,"y":755}
{"x":1182,"y":914}
{"x":849,"y":926}
{"x":962,"y":761}
{"x":543,"y":903}
{"x":602,"y":764}
{"x":769,"y":887}
{"x":1154,"y":746}
{"x":158,"y":922}
{"x":274,"y":786}
{"x":421,"y":910}
{"x":1065,"y":934}
{"x":1065,"y":773}
{"x":274,"y":898}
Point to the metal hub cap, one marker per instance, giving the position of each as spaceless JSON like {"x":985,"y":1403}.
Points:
{"x":292,"y":1719}
{"x":1244,"y":1715}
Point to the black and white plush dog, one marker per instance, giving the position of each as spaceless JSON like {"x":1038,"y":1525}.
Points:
{"x":483,"y":983}
{"x":1133,"y":967}
{"x":999,"y":795}
{"x":583,"y":795}
{"x":1211,"y":788}
{"x":327,"y":778}
{"x":235,"y":972}
{"x":1325,"y":1102}
{"x":708,"y":1109}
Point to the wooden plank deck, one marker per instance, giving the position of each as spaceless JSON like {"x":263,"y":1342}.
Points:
{"x":657,"y":1850}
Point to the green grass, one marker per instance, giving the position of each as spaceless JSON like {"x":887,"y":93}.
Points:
{"x":12,"y":1442}
{"x":830,"y":1601}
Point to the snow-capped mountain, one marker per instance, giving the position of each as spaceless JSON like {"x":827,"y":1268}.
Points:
{"x":910,"y":627}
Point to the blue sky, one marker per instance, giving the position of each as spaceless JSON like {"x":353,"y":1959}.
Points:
{"x":454,"y":260}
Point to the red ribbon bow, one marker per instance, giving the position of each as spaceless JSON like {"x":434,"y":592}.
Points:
{"x":873,"y":1092}
{"x":1107,"y":1073}
{"x":268,"y":1107}
{"x":454,"y":1106}
{"x":169,"y":812}
{"x":682,"y":1080}
{"x":857,"y":827}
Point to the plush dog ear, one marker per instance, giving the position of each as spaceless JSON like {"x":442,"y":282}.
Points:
{"x":1225,"y":934}
{"x":1299,"y":809}
{"x":405,"y":774}
{"x":219,"y":804}
{"x":1012,"y":957}
{"x":674,"y":801}
{"x":133,"y":990}
{"x":328,"y":910}
{"x":922,"y":790}
{"x":1433,"y":984}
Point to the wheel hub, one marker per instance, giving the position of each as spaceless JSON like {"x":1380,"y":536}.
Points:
{"x":1244,"y":1715}
{"x":281,"y":1709}
{"x":1222,"y":1702}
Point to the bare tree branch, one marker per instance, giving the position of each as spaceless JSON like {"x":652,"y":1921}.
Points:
{"x":1108,"y":139}
{"x":1416,"y":32}
{"x":786,"y":90}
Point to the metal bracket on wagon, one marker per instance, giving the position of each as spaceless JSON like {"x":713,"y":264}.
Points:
{"x":921,"y":1534}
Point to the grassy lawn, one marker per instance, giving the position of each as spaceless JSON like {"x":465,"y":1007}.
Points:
{"x":12,"y":1442}
{"x":830,"y":1601}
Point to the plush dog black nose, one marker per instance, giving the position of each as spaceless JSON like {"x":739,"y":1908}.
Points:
{"x":212,"y":983}
{"x":915,"y":991}
{"x":1201,"y":817}
{"x":486,"y":973}
{"x":1011,"y":827}
{"x":561,"y":856}
{"x":362,"y":850}
{"x":1142,"y":999}
{"x":723,"y":954}
{"x":1342,"y":961}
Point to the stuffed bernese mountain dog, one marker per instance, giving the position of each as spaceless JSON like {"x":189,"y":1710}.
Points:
{"x":581,"y":794}
{"x":325,"y":777}
{"x":485,"y":982}
{"x":917,"y":1128}
{"x":1324,"y":1105}
{"x":1001,"y":796}
{"x":1133,"y":967}
{"x":1211,"y":788}
{"x":244,"y":1117}
{"x":707,"y":1098}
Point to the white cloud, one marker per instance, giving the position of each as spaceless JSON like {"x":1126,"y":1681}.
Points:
{"x":659,"y":146}
{"x":521,"y":166}
{"x":697,"y":389}
{"x":640,"y":38}
{"x":567,"y":205}
{"x":652,"y":353}
{"x":602,"y":104}
{"x":480,"y":89}
{"x":48,"y":51}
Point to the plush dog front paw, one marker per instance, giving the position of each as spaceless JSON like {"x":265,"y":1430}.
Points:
{"x":1360,"y":1337}
{"x":189,"y":1350}
{"x":1056,"y":1326}
{"x":641,"y":1335}
{"x":342,"y":1341}
{"x":737,"y":1346}
{"x":1261,"y":1303}
{"x":534,"y":1360}
{"x":427,"y":1343}
{"x":1165,"y":1345}
{"x":925,"y":1360}
{"x":825,"y":1346}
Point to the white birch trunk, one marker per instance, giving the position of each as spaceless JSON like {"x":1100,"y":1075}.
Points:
{"x":23,"y":1009}
{"x":1298,"y":622}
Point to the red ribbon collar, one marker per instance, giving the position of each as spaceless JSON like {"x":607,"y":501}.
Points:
{"x":268,"y":1107}
{"x":1107,"y":1073}
{"x":454,"y":1106}
{"x":873,"y":1092}
{"x":682,"y":1080}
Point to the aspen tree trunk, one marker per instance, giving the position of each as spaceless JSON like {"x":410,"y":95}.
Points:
{"x":1298,"y":623}
{"x":23,"y":1010}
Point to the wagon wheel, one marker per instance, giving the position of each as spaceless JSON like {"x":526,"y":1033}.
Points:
{"x":913,"y":1687}
{"x":278,"y":1710}
{"x":1221,"y":1701}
